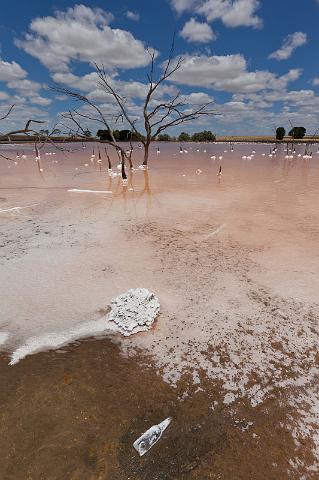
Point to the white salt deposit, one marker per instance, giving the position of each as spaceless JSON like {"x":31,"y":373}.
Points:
{"x":219,"y":229}
{"x":79,"y":190}
{"x":51,"y":341}
{"x":131,"y":312}
{"x":16,"y":209}
{"x":134,"y":311}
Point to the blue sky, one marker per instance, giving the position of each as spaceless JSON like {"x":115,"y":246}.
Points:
{"x":257,"y":60}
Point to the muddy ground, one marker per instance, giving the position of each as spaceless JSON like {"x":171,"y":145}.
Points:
{"x":75,"y":413}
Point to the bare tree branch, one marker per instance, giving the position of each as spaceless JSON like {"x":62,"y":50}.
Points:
{"x":8,"y":112}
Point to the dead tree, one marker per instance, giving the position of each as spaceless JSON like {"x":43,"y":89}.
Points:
{"x":157,"y":116}
{"x":76,"y":117}
{"x":163,"y":115}
{"x":27,"y":130}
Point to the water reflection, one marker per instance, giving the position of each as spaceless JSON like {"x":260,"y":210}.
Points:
{"x":241,"y":165}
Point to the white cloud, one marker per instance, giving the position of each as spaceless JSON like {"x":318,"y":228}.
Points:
{"x":20,"y":115}
{"x":38,"y":100}
{"x":83,"y":34}
{"x":25,"y":86}
{"x":198,"y":98}
{"x":89,"y":84}
{"x":11,"y":71}
{"x":15,"y":77}
{"x":315,"y":81}
{"x":291,"y":42}
{"x":133,"y":16}
{"x":232,"y":13}
{"x":183,"y":5}
{"x":194,"y":31}
{"x":3,"y":96}
{"x":229,"y":73}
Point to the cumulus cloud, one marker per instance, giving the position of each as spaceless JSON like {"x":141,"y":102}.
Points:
{"x":25,"y":86}
{"x":89,"y":85}
{"x":197,"y":98}
{"x":133,"y":16}
{"x":183,"y":5}
{"x":3,"y":96}
{"x":15,"y":78}
{"x":194,"y":31}
{"x":20,"y":114}
{"x":235,"y":13}
{"x":229,"y":73}
{"x":82,"y":33}
{"x":11,"y":71}
{"x":291,"y":42}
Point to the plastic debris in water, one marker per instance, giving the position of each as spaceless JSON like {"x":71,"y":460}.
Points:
{"x":143,"y":444}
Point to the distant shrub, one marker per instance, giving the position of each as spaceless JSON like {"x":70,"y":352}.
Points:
{"x":164,"y":137}
{"x":280,"y":133}
{"x":297,"y":132}
{"x":184,"y":137}
{"x":205,"y":136}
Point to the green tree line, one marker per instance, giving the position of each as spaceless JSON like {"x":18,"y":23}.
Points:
{"x":127,"y":135}
{"x":295,"y":132}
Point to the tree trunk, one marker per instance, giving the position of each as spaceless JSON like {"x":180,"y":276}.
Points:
{"x":124,"y":176}
{"x":146,"y":150}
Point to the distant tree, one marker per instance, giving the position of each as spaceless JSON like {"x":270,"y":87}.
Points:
{"x":44,"y":132}
{"x":157,"y":114}
{"x":164,"y":137}
{"x":137,"y":137}
{"x":119,"y":135}
{"x":280,"y":133}
{"x":87,"y":133}
{"x":56,"y":131}
{"x":124,"y":135}
{"x":297,"y":132}
{"x":184,"y":137}
{"x":104,"y":135}
{"x":205,"y":136}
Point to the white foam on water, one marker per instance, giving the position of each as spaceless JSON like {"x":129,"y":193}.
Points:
{"x":79,"y":190}
{"x":16,"y":209}
{"x":131,"y":312}
{"x":51,"y":341}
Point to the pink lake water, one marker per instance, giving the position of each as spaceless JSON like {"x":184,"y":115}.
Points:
{"x":234,"y":260}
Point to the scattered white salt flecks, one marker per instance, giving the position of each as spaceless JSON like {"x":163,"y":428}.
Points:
{"x":79,"y":190}
{"x":134,"y":311}
{"x":131,"y":312}
{"x":251,"y":354}
{"x":3,"y":337}
{"x":229,"y":398}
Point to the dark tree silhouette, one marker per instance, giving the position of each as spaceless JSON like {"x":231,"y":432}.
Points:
{"x":280,"y":133}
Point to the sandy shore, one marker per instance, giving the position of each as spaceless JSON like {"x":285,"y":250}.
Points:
{"x":233,"y":355}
